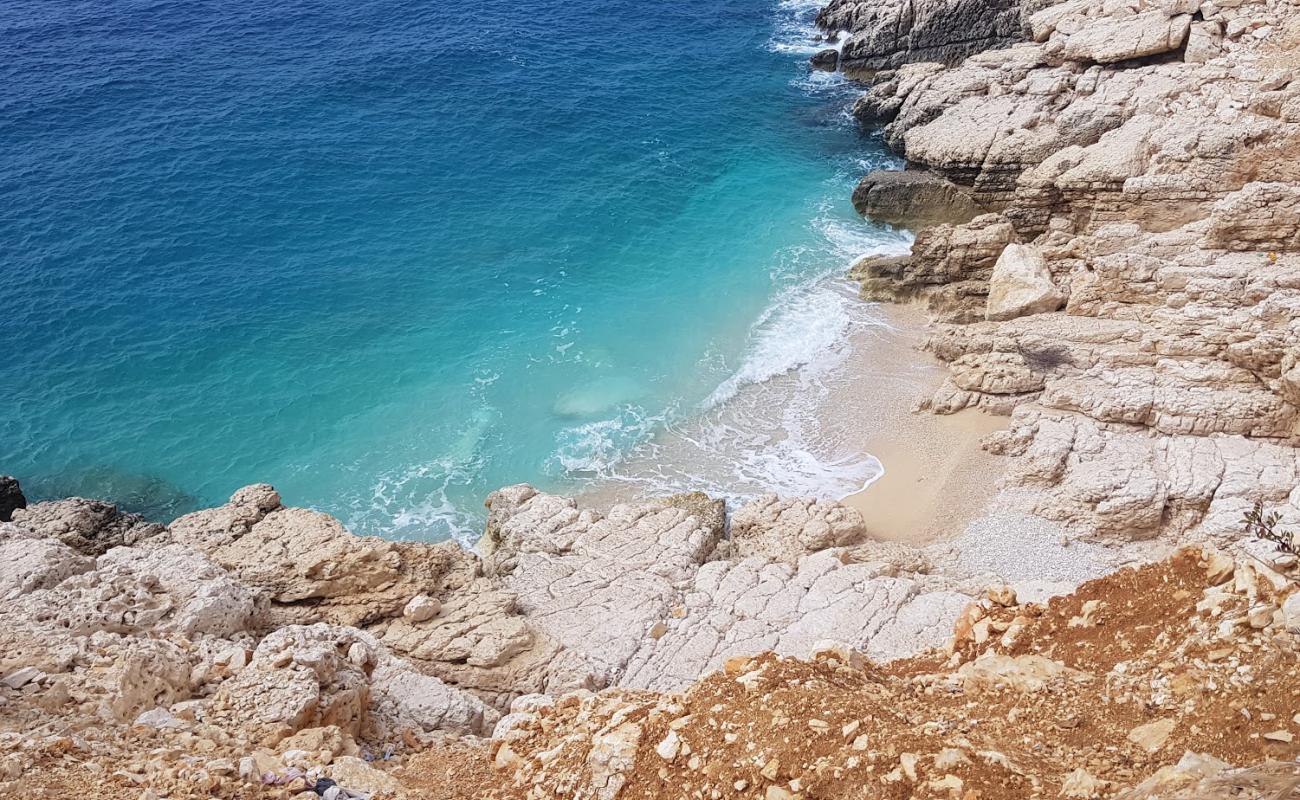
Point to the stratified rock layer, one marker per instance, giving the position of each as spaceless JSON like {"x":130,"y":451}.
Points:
{"x":1133,"y":301}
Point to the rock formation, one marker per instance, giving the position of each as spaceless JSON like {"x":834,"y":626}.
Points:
{"x":1109,"y":244}
{"x":11,"y":497}
{"x":275,"y":674}
{"x":884,"y":35}
{"x":1132,"y":298}
{"x":1171,"y":681}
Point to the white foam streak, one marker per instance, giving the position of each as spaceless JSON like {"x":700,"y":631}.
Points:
{"x":798,"y":328}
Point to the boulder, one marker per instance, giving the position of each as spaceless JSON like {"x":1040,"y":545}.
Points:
{"x":1021,"y":285}
{"x":826,"y":60}
{"x":1121,"y":38}
{"x":913,"y":199}
{"x":11,"y":497}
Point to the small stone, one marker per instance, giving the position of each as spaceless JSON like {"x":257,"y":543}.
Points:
{"x":778,"y":793}
{"x":669,"y":747}
{"x":506,"y":758}
{"x":950,"y":757}
{"x":159,"y":718}
{"x":21,"y":677}
{"x":1082,"y":784}
{"x":949,"y":783}
{"x":1218,"y":568}
{"x":421,"y":608}
{"x":1153,"y":735}
{"x":1279,"y":736}
{"x":1004,"y":595}
{"x":840,"y":651}
{"x":908,"y":763}
{"x":1260,"y":615}
{"x":1291,"y":613}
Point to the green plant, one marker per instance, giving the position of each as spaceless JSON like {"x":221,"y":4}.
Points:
{"x":1263,"y":525}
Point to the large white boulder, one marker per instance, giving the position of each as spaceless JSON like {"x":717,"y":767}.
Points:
{"x":1021,"y":285}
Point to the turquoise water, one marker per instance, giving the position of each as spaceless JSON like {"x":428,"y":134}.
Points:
{"x":389,"y":255}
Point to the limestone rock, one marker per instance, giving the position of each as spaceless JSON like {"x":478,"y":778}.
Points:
{"x":826,"y":60}
{"x":29,"y":562}
{"x":90,"y":527}
{"x":421,"y":608}
{"x":885,"y":35}
{"x":996,"y":373}
{"x":1021,"y":284}
{"x":787,"y":529}
{"x":1122,"y":38}
{"x":321,"y":675}
{"x":913,"y":199}
{"x":312,"y":567}
{"x":1152,"y":736}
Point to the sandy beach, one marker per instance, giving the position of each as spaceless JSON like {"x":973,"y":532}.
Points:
{"x":937,"y":478}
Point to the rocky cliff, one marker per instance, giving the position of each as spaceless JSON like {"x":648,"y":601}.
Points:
{"x":1107,"y":242}
{"x":255,"y":650}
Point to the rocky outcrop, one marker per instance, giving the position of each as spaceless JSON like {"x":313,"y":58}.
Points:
{"x":789,"y":529}
{"x":309,"y":566}
{"x":1140,"y":279}
{"x":90,"y":527}
{"x":884,"y":35}
{"x":1148,"y":675}
{"x":11,"y":497}
{"x":913,"y":198}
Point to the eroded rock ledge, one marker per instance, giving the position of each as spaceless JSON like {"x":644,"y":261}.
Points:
{"x":252,"y":649}
{"x":252,"y":630}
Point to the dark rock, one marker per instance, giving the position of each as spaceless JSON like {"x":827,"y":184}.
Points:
{"x":90,"y":527}
{"x":826,"y":60}
{"x":913,"y":199}
{"x":877,"y":108}
{"x":885,"y":34}
{"x":11,"y":497}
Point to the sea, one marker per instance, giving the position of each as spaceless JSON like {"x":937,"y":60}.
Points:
{"x":391,"y":255}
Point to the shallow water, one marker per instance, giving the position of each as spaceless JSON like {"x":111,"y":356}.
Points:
{"x":391,"y":255}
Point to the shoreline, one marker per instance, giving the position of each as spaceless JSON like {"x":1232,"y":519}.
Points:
{"x":937,"y":479}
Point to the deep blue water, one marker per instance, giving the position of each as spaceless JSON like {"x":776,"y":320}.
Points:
{"x":390,"y":255}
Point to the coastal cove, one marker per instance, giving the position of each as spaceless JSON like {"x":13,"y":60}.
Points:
{"x":395,"y":259}
{"x":891,"y":400}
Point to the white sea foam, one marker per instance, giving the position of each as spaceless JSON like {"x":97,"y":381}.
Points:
{"x":595,"y":449}
{"x":795,"y":29}
{"x":800,"y":326}
{"x":417,"y":501}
